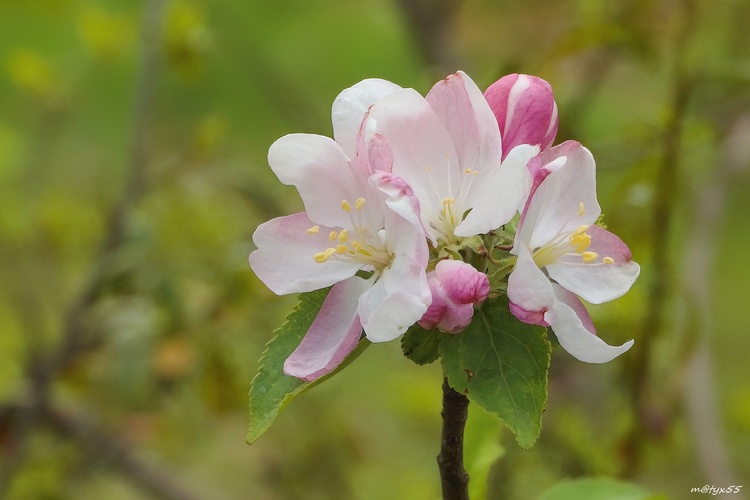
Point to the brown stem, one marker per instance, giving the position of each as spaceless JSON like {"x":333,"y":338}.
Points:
{"x":453,"y":477}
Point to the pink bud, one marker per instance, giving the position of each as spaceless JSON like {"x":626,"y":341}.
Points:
{"x":455,"y":286}
{"x":525,"y":109}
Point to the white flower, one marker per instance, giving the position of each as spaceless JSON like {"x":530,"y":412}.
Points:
{"x":562,"y":253}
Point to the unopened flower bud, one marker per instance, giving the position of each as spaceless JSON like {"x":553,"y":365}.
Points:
{"x":525,"y":109}
{"x":455,"y":286}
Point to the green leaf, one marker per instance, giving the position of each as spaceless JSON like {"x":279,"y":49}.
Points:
{"x":420,"y":345}
{"x":601,"y":488}
{"x":271,"y":390}
{"x":501,"y":365}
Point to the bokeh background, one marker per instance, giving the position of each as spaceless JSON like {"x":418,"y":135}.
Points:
{"x":133,"y":140}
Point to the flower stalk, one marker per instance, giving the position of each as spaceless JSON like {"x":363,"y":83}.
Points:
{"x":454,"y":479}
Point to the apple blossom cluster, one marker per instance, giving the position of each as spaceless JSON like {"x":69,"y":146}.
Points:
{"x":420,"y":208}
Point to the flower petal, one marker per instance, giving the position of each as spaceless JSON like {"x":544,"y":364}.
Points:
{"x":555,"y":206}
{"x":401,"y":295}
{"x":387,"y":311}
{"x":349,"y":109}
{"x":334,"y":333}
{"x":499,"y":193}
{"x":571,"y":300}
{"x":597,"y":281}
{"x":322,"y":174}
{"x":530,"y":292}
{"x":465,"y":114}
{"x":284,"y":258}
{"x":575,"y":338}
{"x":423,"y":152}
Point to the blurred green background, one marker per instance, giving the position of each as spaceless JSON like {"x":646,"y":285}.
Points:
{"x":133,"y":140}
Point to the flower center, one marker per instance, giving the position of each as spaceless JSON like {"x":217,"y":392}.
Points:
{"x":358,"y":244}
{"x":570,"y":244}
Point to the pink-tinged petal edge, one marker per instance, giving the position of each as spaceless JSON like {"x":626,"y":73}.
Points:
{"x":334,"y":333}
{"x":577,"y":340}
{"x":284,"y":258}
{"x":350,"y":106}
{"x":530,"y":292}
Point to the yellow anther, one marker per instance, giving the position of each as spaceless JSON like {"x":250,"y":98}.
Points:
{"x":356,"y":245}
{"x":321,"y":257}
{"x":580,"y":209}
{"x":580,"y":230}
{"x":313,"y":230}
{"x":342,"y":248}
{"x":345,"y":206}
{"x":428,"y":169}
{"x":359,"y":203}
{"x":448,"y":201}
{"x":589,"y":256}
{"x":343,"y":236}
{"x":608,"y":260}
{"x":333,"y":235}
{"x":475,"y":172}
{"x":467,"y":170}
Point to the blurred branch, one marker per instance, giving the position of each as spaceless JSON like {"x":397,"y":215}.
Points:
{"x":661,"y":235}
{"x":42,"y":369}
{"x":698,"y":389}
{"x":107,"y":448}
{"x":431,"y":22}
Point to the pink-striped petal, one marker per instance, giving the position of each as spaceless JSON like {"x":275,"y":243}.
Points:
{"x":334,"y":333}
{"x":575,"y":337}
{"x":284,"y":258}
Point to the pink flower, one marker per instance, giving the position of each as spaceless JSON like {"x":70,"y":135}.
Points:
{"x":355,"y":219}
{"x":447,"y":146}
{"x":456,"y":286}
{"x":562,"y":254}
{"x":525,"y":109}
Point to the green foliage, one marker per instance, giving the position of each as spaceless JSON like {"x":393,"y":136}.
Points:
{"x":271,"y":390}
{"x":420,"y":345}
{"x":600,"y":488}
{"x":501,"y":365}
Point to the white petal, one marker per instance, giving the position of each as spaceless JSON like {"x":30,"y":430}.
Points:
{"x":578,"y":341}
{"x":322,"y":174}
{"x":466,"y":115}
{"x":596,"y":281}
{"x":555,"y":205}
{"x":530,"y":292}
{"x":334,"y":333}
{"x":284,"y":258}
{"x":350,"y":106}
{"x":423,"y":152}
{"x":499,"y":193}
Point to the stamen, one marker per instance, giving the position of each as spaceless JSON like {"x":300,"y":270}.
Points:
{"x":467,"y":170}
{"x":345,"y":206}
{"x":580,"y":229}
{"x":428,"y":169}
{"x":356,"y":245}
{"x":333,"y":235}
{"x":589,"y":256}
{"x":343,"y":236}
{"x":359,"y":203}
{"x":342,"y":248}
{"x":475,"y":172}
{"x":608,"y":260}
{"x":448,"y":201}
{"x":313,"y":230}
{"x":321,"y":257}
{"x":580,"y":209}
